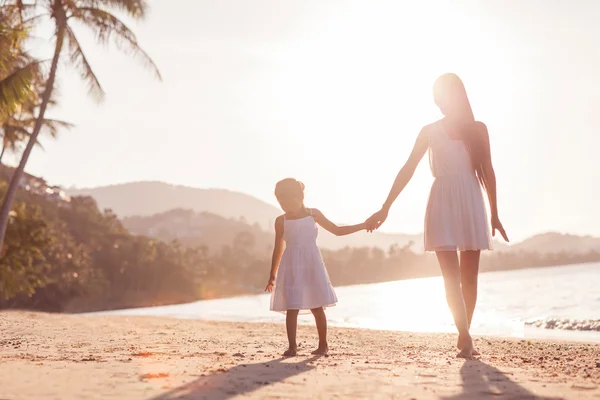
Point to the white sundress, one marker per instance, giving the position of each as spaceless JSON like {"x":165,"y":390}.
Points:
{"x":302,"y":282}
{"x":456,"y":218}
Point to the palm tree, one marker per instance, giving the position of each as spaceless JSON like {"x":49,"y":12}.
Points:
{"x":97,"y":16}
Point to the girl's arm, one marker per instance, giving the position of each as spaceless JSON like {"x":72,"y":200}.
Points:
{"x":489,"y":177}
{"x":333,"y":228}
{"x":277,"y":252}
{"x":402,"y":179}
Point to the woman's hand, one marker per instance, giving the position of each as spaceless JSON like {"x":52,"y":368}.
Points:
{"x":270,"y":285}
{"x":375,"y":220}
{"x":497,"y":226}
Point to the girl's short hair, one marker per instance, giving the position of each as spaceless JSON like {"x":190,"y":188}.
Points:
{"x":289,"y":187}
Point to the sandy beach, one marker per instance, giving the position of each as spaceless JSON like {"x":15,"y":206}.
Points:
{"x":97,"y":357}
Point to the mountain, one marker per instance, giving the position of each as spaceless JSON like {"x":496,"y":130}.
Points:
{"x":192,"y":228}
{"x":151,"y":203}
{"x":147,"y":199}
{"x":554,"y":242}
{"x":214,"y":231}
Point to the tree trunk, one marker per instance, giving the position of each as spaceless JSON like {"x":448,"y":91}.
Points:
{"x":18,"y":173}
{"x":2,"y":155}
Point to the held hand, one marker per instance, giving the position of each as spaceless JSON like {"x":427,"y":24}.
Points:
{"x":497,"y":226}
{"x":375,"y":220}
{"x":270,"y":285}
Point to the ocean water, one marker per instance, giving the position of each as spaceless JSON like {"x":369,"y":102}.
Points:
{"x":507,"y":301}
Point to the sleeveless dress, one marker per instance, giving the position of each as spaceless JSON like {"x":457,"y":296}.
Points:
{"x":456,"y":217}
{"x":302,"y":282}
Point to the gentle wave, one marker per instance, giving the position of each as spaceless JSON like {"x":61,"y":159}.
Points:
{"x":567,"y":324}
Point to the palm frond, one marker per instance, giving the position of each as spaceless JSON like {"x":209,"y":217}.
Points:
{"x":35,"y":19}
{"x":17,"y":131}
{"x":137,"y":9}
{"x":16,"y":87}
{"x":79,"y":60}
{"x":13,"y":136}
{"x":108,"y":28}
{"x":51,"y":126}
{"x":26,"y":9}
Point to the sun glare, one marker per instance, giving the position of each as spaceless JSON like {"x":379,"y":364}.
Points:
{"x":358,"y":86}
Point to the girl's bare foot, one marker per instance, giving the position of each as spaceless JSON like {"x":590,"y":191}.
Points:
{"x":461,"y":344}
{"x":291,"y":352}
{"x":321,"y":351}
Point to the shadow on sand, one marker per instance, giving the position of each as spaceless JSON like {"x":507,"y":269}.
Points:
{"x":482,"y":381}
{"x":241,"y":379}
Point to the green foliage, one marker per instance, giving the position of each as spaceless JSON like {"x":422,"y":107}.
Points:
{"x":23,"y":265}
{"x":69,"y":256}
{"x":17,"y":69}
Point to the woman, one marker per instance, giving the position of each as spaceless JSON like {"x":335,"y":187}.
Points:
{"x":455,"y":221}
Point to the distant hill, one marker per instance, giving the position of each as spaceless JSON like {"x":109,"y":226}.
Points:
{"x":214,"y":231}
{"x":192,"y":228}
{"x":553,"y":242}
{"x":150,"y":198}
{"x":147,"y":199}
{"x":144,"y":200}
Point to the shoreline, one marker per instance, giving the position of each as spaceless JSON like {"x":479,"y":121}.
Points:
{"x":179,"y":311}
{"x":56,"y":356}
{"x":529,"y":332}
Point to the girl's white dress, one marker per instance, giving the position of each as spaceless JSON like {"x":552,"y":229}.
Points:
{"x":456,"y":218}
{"x":302,"y":282}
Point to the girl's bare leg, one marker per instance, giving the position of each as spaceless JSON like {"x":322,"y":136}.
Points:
{"x":321,"y":321}
{"x":291,"y":325}
{"x":450,"y":267}
{"x":469,"y":273}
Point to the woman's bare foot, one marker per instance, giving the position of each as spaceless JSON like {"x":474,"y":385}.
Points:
{"x":461,"y":344}
{"x":321,"y":351}
{"x":291,"y":352}
{"x":465,"y":345}
{"x":465,"y":353}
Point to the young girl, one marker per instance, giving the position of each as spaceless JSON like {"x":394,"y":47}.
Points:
{"x":298,"y":279}
{"x":455,"y":221}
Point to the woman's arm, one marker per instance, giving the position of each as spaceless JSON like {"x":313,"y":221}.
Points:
{"x":333,"y":228}
{"x":402,"y":179}
{"x":277,"y":252}
{"x":408,"y":170}
{"x":489,"y":177}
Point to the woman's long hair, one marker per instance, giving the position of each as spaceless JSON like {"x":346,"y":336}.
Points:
{"x":451,"y":96}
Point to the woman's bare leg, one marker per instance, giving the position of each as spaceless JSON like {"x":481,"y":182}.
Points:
{"x":450,"y":267}
{"x":469,"y":272}
{"x":291,"y":325}
{"x":321,"y":321}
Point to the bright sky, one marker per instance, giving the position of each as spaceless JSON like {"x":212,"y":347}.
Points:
{"x":334,"y":94}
